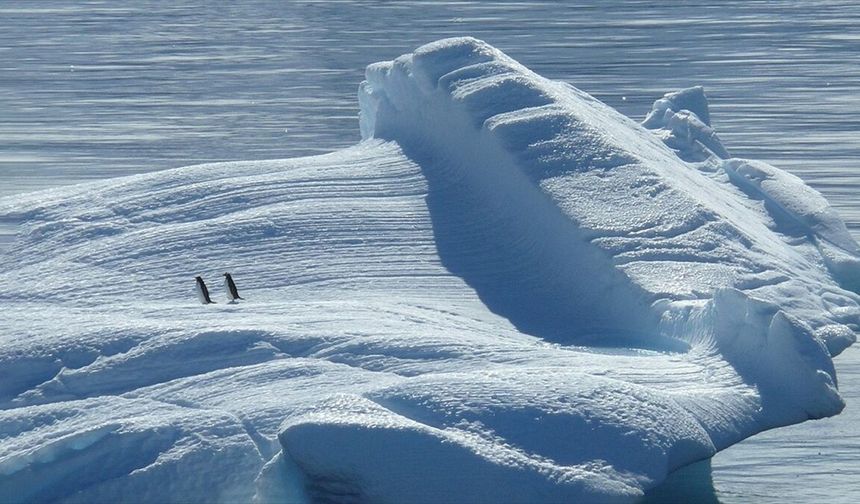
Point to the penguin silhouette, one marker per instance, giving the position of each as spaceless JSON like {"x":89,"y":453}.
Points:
{"x":232,"y":291}
{"x":202,"y":291}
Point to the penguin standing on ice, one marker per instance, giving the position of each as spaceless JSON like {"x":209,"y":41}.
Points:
{"x":232,"y":291}
{"x":202,"y":291}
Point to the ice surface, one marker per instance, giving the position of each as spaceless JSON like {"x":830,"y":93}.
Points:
{"x":685,"y":121}
{"x":507,"y":292}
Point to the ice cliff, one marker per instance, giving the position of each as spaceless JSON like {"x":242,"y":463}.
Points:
{"x":508,"y":292}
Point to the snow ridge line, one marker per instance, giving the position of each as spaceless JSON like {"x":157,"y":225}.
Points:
{"x":548,"y":172}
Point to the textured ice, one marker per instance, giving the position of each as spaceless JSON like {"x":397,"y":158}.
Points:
{"x":685,"y":123}
{"x":508,"y":292}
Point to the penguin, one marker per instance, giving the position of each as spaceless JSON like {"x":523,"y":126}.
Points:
{"x":202,"y":291}
{"x":232,"y":291}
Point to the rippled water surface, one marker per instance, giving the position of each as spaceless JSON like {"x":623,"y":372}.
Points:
{"x":99,"y":89}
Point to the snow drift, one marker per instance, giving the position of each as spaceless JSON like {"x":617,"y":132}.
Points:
{"x":507,"y":292}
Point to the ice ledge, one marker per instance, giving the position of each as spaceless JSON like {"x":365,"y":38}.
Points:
{"x":589,"y":185}
{"x":622,"y":226}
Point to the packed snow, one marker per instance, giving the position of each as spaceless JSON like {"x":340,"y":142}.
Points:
{"x":507,"y":292}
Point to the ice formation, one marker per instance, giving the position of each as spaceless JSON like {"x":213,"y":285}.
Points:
{"x":508,"y":292}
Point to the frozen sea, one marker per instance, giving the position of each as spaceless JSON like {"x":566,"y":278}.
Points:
{"x":103,"y":89}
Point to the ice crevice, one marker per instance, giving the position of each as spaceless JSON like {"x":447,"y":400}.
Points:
{"x":507,"y":292}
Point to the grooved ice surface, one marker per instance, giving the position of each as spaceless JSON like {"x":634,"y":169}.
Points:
{"x":507,"y":292}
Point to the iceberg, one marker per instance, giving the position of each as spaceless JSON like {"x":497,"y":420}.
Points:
{"x":507,"y":292}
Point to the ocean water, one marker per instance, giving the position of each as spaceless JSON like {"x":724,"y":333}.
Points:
{"x":90,"y":90}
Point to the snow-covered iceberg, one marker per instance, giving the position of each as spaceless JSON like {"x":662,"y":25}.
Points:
{"x":508,"y":292}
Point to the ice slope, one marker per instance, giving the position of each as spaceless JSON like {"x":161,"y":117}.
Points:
{"x":508,"y":292}
{"x":108,"y":361}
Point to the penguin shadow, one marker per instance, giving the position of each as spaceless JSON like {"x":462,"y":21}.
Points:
{"x":229,"y":285}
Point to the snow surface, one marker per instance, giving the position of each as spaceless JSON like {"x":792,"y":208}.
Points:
{"x":507,"y":292}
